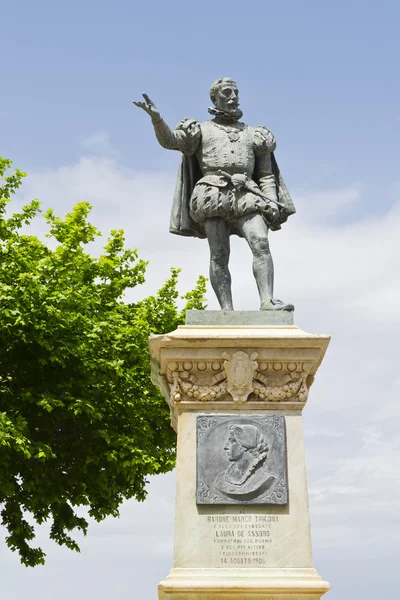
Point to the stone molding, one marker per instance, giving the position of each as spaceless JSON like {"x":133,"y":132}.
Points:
{"x":252,"y":584}
{"x":238,"y":375}
{"x":224,"y":367}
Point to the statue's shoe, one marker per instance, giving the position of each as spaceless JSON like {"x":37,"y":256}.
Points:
{"x":275,"y":304}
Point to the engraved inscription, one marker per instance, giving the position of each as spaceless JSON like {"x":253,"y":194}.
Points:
{"x":241,"y":460}
{"x":243,"y":540}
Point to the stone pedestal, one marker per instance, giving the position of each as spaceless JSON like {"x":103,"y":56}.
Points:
{"x":246,"y":538}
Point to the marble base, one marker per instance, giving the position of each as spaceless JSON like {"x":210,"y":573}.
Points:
{"x":242,"y":584}
{"x":272,"y":536}
{"x":239,"y":551}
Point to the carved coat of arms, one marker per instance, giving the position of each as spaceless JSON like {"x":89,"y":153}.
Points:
{"x":240,"y":369}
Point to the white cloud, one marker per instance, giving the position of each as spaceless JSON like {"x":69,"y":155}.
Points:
{"x":343,"y":279}
{"x":139,"y":203}
{"x":322,"y":205}
{"x":98,"y":143}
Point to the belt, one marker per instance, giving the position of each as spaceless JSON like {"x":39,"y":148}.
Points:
{"x":221,"y":179}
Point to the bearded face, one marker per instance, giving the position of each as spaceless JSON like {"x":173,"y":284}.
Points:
{"x":226,"y":97}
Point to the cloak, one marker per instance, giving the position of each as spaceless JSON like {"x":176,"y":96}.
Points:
{"x":189,"y":174}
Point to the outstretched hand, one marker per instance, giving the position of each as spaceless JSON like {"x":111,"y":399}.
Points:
{"x":149,"y":107}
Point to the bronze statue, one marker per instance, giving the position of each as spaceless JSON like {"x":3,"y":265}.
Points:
{"x":229,"y":183}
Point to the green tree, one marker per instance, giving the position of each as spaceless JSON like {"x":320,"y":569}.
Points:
{"x":80,"y":423}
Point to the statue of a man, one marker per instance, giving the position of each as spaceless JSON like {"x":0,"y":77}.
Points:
{"x":229,"y":183}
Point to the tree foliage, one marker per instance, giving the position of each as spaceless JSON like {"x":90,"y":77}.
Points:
{"x":80,"y":423}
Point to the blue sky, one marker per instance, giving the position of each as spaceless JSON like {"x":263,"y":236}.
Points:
{"x":323,"y":76}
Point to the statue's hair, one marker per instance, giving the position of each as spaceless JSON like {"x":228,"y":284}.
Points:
{"x":253,"y":441}
{"x":250,"y":438}
{"x":216,"y":84}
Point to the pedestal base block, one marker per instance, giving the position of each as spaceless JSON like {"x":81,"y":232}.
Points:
{"x":236,"y":384}
{"x":242,"y":584}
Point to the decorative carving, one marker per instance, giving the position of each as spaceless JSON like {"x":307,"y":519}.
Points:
{"x":279,"y":495}
{"x":207,"y":496}
{"x":241,"y":460}
{"x":241,"y":376}
{"x":283,"y":387}
{"x":240,"y":368}
{"x":203,"y":423}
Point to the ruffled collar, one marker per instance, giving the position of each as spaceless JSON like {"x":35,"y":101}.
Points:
{"x":233,"y":117}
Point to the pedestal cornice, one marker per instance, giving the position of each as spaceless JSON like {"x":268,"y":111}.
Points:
{"x":225,"y":367}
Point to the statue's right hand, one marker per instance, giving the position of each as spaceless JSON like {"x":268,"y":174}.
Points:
{"x":149,"y":107}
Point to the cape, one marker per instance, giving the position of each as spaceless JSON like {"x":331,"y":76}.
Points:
{"x":190,"y":173}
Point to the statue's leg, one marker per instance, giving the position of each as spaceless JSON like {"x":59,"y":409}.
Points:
{"x":217,"y":232}
{"x":255,"y":231}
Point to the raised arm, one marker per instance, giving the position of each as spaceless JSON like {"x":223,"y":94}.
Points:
{"x":171,"y":140}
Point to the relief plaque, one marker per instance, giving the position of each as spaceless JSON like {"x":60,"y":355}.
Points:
{"x":241,"y":460}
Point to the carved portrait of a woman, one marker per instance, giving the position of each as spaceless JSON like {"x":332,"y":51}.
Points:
{"x":247,"y":475}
